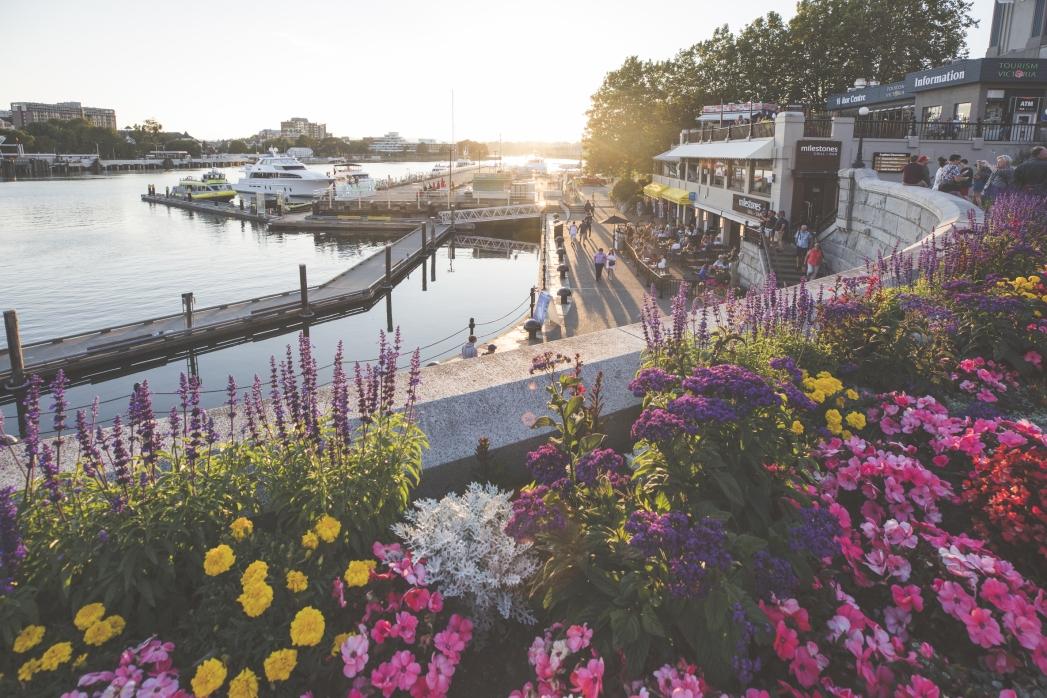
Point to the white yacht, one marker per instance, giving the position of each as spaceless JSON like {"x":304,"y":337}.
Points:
{"x":350,"y":181}
{"x":276,"y":174}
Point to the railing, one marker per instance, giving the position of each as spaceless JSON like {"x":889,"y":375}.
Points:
{"x":950,"y":131}
{"x":731,"y":132}
{"x":817,"y":128}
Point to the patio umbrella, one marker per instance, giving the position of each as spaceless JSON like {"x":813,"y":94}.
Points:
{"x":615,"y":220}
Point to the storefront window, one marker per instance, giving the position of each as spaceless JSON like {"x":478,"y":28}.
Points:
{"x":932,"y":113}
{"x":692,"y":171}
{"x":719,"y":173}
{"x":962,"y":112}
{"x":762,"y":177}
{"x":670,"y":169}
{"x":738,"y":175}
{"x":707,"y":170}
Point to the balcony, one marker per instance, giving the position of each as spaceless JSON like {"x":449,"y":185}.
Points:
{"x":733,"y":132}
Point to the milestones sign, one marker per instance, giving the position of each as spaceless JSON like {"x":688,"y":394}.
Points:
{"x":750,"y":206}
{"x":817,"y":156}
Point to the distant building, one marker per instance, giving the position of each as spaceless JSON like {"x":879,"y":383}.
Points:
{"x":25,"y":113}
{"x":268,"y":134}
{"x":391,"y":142}
{"x":297,"y":126}
{"x":1018,"y":30}
{"x":300,"y":152}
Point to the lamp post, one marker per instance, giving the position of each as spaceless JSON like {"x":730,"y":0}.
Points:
{"x":858,"y":163}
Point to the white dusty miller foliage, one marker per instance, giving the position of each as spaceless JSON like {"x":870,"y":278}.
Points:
{"x":468,"y":554}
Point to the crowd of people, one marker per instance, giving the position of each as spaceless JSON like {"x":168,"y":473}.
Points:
{"x":981,"y":181}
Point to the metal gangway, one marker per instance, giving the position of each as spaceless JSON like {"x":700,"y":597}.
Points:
{"x":493,"y":213}
{"x":477,"y":242}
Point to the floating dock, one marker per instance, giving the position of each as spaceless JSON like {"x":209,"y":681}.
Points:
{"x":213,"y":207}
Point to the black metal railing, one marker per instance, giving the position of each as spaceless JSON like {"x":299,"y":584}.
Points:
{"x":950,"y":131}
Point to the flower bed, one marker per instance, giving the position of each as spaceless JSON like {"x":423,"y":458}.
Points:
{"x":840,"y":495}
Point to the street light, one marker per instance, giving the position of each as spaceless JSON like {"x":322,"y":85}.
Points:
{"x":858,"y":162}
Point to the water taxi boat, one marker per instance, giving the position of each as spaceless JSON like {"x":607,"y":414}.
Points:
{"x":212,"y":186}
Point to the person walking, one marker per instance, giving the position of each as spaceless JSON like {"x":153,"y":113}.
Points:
{"x":803,"y":244}
{"x":814,"y":261}
{"x":915,"y":173}
{"x":469,"y":348}
{"x":939,"y":173}
{"x":981,"y":178}
{"x":589,"y":208}
{"x":781,"y":230}
{"x":1031,"y":175}
{"x":1001,"y":179}
{"x":599,"y":260}
{"x":612,"y":259}
{"x":573,"y":232}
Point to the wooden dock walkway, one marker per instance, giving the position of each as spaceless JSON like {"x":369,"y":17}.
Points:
{"x":217,"y":208}
{"x":356,"y":289}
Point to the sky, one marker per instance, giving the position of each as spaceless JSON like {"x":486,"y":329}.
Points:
{"x":518,"y":70}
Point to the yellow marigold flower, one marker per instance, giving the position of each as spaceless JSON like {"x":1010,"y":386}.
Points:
{"x":29,"y":638}
{"x":256,"y":598}
{"x":856,"y":420}
{"x":104,"y":630}
{"x":56,"y":655}
{"x":833,"y":417}
{"x":358,"y":572}
{"x":307,"y":628}
{"x":210,"y":675}
{"x":241,"y":528}
{"x":846,"y":434}
{"x":80,"y":661}
{"x":339,"y":639}
{"x":257,"y":571}
{"x":852,"y":394}
{"x":328,"y":528}
{"x":218,"y":560}
{"x":309,"y":540}
{"x":817,"y":395}
{"x":245,"y":685}
{"x":297,"y":581}
{"x":88,"y":616}
{"x":280,"y":664}
{"x":797,"y":427}
{"x":28,"y":670}
{"x":840,"y":402}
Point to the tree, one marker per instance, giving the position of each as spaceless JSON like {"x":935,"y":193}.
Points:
{"x":236,"y":146}
{"x":187,"y":144}
{"x":152,"y":128}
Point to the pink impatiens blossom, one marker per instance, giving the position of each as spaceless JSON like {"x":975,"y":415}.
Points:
{"x":983,"y":628}
{"x":354,"y":655}
{"x":578,"y":637}
{"x":907,"y":598}
{"x":587,"y":679}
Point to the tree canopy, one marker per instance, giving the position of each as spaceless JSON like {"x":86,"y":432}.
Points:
{"x":642,"y":105}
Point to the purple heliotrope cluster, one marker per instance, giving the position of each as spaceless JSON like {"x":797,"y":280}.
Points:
{"x":695,"y":411}
{"x":816,"y":533}
{"x":601,"y":460}
{"x":547,"y":464}
{"x":692,"y":551}
{"x":652,"y":380}
{"x":772,"y":576}
{"x":532,"y":515}
{"x":746,"y":390}
{"x":656,"y":424}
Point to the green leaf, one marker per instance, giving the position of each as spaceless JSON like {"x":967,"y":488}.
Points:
{"x":729,"y":486}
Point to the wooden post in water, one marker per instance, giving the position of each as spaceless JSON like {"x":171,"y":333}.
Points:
{"x":432,"y":259}
{"x":304,"y":284}
{"x":389,"y":310}
{"x":14,"y":350}
{"x":388,"y":264}
{"x":187,"y":305}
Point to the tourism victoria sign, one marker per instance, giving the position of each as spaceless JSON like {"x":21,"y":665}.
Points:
{"x":750,"y":206}
{"x":817,"y":156}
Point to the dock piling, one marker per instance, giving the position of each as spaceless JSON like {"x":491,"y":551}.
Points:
{"x":14,"y":348}
{"x":389,"y":311}
{"x":388,"y":264}
{"x":187,"y":307}
{"x":304,"y":284}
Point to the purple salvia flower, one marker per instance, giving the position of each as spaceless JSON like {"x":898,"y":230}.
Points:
{"x":414,"y":379}
{"x":60,"y":404}
{"x":32,"y":421}
{"x":49,"y":471}
{"x":307,"y":366}
{"x":340,"y":398}
{"x":230,"y":392}
{"x":148,"y":428}
{"x":249,"y":417}
{"x":291,"y":394}
{"x":90,"y":455}
{"x":12,"y":550}
{"x":121,"y":458}
{"x":277,"y":400}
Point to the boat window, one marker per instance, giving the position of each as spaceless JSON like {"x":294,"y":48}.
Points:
{"x":293,"y":167}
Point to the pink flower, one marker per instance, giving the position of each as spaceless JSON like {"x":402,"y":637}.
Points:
{"x":384,"y":678}
{"x":387,"y":553}
{"x":919,"y":687}
{"x":997,"y":593}
{"x":805,"y":665}
{"x":785,"y":641}
{"x":438,"y":678}
{"x":382,"y":630}
{"x":578,"y":637}
{"x":1035,"y":359}
{"x":1025,"y":628}
{"x":406,"y":624}
{"x":416,"y":599}
{"x":1008,"y":693}
{"x":436,"y":602}
{"x":412,"y":572}
{"x":588,"y":679}
{"x":954,"y":600}
{"x":338,"y":591}
{"x":907,"y":598}
{"x":354,"y":655}
{"x":450,"y":643}
{"x":983,"y":628}
{"x":407,"y":669}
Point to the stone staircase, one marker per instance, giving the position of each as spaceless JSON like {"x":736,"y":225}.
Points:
{"x":783,"y":262}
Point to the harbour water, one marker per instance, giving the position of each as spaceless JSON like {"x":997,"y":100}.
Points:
{"x":84,"y":253}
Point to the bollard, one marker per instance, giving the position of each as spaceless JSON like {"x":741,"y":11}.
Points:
{"x":304,"y":284}
{"x":533,"y":291}
{"x":14,"y":350}
{"x":472,"y":326}
{"x":388,"y":264}
{"x":532,"y":328}
{"x":187,"y":306}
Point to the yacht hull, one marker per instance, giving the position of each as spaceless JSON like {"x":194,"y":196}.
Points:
{"x":299,"y":189}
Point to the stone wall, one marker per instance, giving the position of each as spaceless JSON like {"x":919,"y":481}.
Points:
{"x":876,"y":217}
{"x":750,"y":268}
